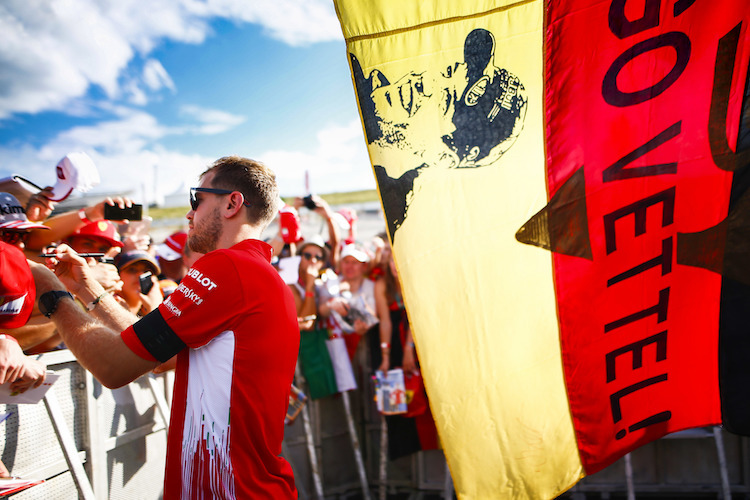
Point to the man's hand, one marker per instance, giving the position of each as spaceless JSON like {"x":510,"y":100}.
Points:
{"x":360,"y":327}
{"x":40,"y":205}
{"x":96,"y":212}
{"x":339,"y":305}
{"x":322,"y":207}
{"x":12,"y":360}
{"x":15,"y":367}
{"x":409,"y":363}
{"x":311,"y":274}
{"x":136,"y":242}
{"x":33,"y":375}
{"x":385,"y":365}
{"x":154,"y":297}
{"x":73,"y":271}
{"x":105,"y":274}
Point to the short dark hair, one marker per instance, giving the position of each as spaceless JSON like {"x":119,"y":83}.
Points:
{"x":254,"y":180}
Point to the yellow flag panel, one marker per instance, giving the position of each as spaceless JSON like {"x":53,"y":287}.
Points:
{"x":451,"y":100}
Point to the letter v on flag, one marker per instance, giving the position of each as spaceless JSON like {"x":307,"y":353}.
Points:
{"x":566,"y":213}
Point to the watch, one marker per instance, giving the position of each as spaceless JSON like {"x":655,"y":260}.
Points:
{"x":48,"y":301}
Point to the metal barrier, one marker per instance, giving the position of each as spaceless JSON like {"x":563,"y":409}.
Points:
{"x":90,"y":442}
{"x":104,"y":444}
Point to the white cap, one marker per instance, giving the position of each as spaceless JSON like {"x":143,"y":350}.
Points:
{"x":352,"y":250}
{"x":74,"y":171}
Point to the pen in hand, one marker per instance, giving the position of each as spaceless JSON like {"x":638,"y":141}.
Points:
{"x":96,"y":255}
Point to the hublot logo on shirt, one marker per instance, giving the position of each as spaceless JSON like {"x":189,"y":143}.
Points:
{"x":203,"y":280}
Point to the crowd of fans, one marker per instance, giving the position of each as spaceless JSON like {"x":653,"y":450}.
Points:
{"x":346,"y":288}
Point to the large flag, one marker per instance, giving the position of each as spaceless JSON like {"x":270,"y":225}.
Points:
{"x":564,"y":198}
{"x":642,"y":118}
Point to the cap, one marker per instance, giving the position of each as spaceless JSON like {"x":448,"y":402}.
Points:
{"x":289,"y":224}
{"x":74,"y":171}
{"x":316,"y":240}
{"x":17,"y":290}
{"x":355,"y":251}
{"x":13,"y":216}
{"x":172,"y":247}
{"x":103,"y":229}
{"x":125,"y":259}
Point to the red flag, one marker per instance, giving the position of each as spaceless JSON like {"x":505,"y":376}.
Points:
{"x":648,"y":216}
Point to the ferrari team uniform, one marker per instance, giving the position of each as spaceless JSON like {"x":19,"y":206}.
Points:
{"x":238,"y":321}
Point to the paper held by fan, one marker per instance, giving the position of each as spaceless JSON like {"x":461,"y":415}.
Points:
{"x":32,"y":396}
{"x":390,"y":392}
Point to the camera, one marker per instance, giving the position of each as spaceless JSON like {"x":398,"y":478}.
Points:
{"x":309,"y":203}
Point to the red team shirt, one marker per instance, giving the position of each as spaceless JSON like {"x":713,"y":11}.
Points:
{"x":238,"y":319}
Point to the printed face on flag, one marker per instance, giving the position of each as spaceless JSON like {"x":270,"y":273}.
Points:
{"x":459,"y":111}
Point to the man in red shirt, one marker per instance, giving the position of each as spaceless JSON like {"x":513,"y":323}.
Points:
{"x":233,"y":324}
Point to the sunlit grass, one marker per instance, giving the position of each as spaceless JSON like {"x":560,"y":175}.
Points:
{"x":332,"y":199}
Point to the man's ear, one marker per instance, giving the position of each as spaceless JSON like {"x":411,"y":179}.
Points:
{"x":234,"y":203}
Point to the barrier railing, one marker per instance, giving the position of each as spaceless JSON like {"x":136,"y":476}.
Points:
{"x":88,"y":439}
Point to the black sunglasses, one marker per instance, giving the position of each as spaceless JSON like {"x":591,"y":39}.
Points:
{"x":311,"y":256}
{"x":194,"y":201}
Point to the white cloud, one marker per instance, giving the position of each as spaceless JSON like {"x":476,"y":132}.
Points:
{"x":53,"y":51}
{"x":339,"y":163}
{"x":156,"y":77}
{"x":211,"y":121}
{"x":126,"y":150}
{"x":295,"y":22}
{"x":129,"y":157}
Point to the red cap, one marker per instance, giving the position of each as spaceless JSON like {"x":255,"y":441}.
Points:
{"x":100,"y":229}
{"x":17,"y":290}
{"x":290,"y":225}
{"x":172,"y":247}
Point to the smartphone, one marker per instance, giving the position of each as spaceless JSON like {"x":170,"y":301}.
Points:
{"x":113,"y":212}
{"x":146,"y":282}
{"x":309,"y":203}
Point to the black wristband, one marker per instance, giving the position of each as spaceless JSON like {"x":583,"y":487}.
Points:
{"x":48,"y":301}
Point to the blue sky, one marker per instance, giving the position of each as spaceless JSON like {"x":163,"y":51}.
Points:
{"x":155,"y":91}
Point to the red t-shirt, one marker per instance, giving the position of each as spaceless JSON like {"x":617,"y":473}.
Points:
{"x":239,"y":322}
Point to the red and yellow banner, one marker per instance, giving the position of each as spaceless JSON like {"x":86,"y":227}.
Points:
{"x":631,"y":128}
{"x":564,"y":193}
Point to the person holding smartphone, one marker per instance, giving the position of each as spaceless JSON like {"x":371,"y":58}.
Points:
{"x":66,"y":224}
{"x":140,"y":292}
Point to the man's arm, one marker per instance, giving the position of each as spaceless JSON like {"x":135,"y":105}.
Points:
{"x":94,"y":338}
{"x":385,"y":326}
{"x":334,"y":238}
{"x":63,"y":225}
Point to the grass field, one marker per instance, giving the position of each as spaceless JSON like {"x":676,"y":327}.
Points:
{"x":332,"y":199}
